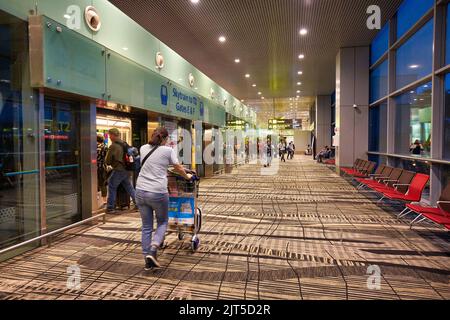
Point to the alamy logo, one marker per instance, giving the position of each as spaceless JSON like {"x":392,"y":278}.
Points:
{"x":374,"y":20}
{"x":73,"y":17}
{"x":374,"y":280}
{"x":74,"y":278}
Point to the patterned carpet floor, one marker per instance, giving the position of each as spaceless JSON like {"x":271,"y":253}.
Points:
{"x":297,"y":231}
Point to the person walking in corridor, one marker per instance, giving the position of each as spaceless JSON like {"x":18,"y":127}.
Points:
{"x":120,"y":176}
{"x":152,"y":194}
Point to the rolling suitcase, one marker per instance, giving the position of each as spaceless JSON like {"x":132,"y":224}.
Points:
{"x":123,"y":200}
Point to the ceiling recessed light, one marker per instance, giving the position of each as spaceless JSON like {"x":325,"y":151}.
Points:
{"x":413,"y":66}
{"x":247,"y":75}
{"x":299,"y":83}
{"x":300,"y":72}
{"x":259,"y":93}
{"x":298,"y":91}
{"x":302,"y":56}
{"x":222,"y":39}
{"x":237,"y":60}
{"x":303,"y":32}
{"x":254,"y":85}
{"x":195,"y":1}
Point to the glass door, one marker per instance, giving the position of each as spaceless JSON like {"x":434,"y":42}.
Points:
{"x":62,"y":164}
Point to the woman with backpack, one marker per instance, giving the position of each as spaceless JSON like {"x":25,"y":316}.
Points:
{"x":152,"y":193}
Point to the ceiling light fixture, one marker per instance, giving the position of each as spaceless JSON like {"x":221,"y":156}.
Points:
{"x":299,"y":83}
{"x":302,"y":56}
{"x":195,"y":1}
{"x":254,"y":85}
{"x":247,"y":75}
{"x":303,"y":32}
{"x":237,"y":60}
{"x":300,"y":72}
{"x":222,"y":39}
{"x":414,"y":66}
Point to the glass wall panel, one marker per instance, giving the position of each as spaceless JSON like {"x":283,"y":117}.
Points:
{"x":446,"y":145}
{"x":19,"y":184}
{"x":379,"y":82}
{"x":378,"y":128}
{"x":445,"y":175}
{"x":413,"y":122}
{"x":379,"y":45}
{"x":414,"y":59}
{"x":410,"y":12}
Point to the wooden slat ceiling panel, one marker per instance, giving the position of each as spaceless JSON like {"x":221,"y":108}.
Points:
{"x":264,"y":34}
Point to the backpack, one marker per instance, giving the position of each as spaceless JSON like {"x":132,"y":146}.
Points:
{"x":128,"y":158}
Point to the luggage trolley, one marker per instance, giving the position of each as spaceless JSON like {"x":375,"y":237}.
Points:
{"x":185,"y":217}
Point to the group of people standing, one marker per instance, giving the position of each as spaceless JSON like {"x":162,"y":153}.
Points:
{"x":151,"y":194}
{"x":286,"y":149}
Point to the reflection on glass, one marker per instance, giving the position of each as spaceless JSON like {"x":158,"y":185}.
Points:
{"x":445,"y":175}
{"x":414,"y":58}
{"x":378,"y":128}
{"x":379,"y":82}
{"x":379,"y":45}
{"x":19,"y":188}
{"x":446,"y":146}
{"x":409,"y":13}
{"x":413,"y":122}
{"x":62,"y":164}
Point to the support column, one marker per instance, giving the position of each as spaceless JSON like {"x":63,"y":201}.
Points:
{"x":88,"y":133}
{"x":323,"y":122}
{"x":352,"y":105}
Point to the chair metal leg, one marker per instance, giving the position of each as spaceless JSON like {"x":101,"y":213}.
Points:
{"x":416,"y":219}
{"x":422,"y":220}
{"x":404,"y":213}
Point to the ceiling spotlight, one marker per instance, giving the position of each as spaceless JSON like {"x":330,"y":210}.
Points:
{"x":222,"y":39}
{"x":414,"y":66}
{"x":303,"y":32}
{"x":259,"y":93}
{"x":247,"y":75}
{"x":237,"y":60}
{"x":195,"y":1}
{"x":302,"y":56}
{"x":254,"y":85}
{"x":299,"y":83}
{"x":300,"y":72}
{"x":298,"y":91}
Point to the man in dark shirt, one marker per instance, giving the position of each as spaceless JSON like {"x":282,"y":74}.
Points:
{"x":115,"y":159}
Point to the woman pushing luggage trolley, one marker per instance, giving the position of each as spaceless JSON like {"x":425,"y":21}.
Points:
{"x":185,"y":217}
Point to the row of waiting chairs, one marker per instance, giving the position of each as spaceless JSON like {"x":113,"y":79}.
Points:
{"x":401,"y":185}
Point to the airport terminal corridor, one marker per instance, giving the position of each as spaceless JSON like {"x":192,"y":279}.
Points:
{"x":297,"y":231}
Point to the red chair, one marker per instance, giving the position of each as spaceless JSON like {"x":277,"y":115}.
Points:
{"x":382,"y":181}
{"x":443,"y":218}
{"x":441,"y":210}
{"x":415,"y":189}
{"x":358,"y":165}
{"x":382,"y":171}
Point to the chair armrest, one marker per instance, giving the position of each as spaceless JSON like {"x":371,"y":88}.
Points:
{"x":442,"y":202}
